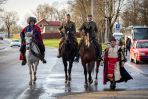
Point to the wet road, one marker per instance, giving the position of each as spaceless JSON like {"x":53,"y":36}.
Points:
{"x":50,"y":83}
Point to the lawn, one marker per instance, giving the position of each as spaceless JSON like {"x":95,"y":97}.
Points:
{"x":55,"y":43}
{"x":51,"y":42}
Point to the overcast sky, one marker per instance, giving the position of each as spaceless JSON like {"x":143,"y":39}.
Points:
{"x":25,"y":7}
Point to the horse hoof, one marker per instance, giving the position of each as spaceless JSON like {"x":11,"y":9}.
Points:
{"x":90,"y":82}
{"x":30,"y":83}
{"x":68,"y":83}
{"x":34,"y":82}
{"x":86,"y":85}
{"x":65,"y":81}
{"x":34,"y":78}
{"x":95,"y":82}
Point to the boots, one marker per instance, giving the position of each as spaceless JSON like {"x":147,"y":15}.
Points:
{"x":113,"y":85}
{"x":77,"y":58}
{"x":24,"y":60}
{"x":43,"y":59}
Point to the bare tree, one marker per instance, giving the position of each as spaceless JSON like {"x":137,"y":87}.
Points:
{"x":2,"y":2}
{"x":45,"y":11}
{"x":9,"y":19}
{"x":135,"y":13}
{"x":113,"y":9}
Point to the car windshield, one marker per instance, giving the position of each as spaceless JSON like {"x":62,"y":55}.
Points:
{"x":140,"y":33}
{"x":142,"y":45}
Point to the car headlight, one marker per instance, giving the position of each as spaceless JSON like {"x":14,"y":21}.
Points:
{"x":141,"y":53}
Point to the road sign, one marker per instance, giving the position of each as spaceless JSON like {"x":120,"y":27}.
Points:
{"x":117,"y":26}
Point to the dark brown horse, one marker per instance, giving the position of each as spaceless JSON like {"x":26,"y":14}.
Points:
{"x":88,"y":59}
{"x":68,"y":53}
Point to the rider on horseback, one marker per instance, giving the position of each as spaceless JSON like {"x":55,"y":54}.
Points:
{"x":36,"y":34}
{"x":66,"y":27}
{"x":90,"y":27}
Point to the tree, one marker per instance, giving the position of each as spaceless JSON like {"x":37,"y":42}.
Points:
{"x":45,"y":11}
{"x":2,"y":2}
{"x":135,"y":13}
{"x":9,"y":19}
{"x":112,"y":11}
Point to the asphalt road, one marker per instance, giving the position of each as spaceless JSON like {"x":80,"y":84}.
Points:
{"x":50,"y":84}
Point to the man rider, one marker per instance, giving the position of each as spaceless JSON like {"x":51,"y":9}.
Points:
{"x":90,"y":27}
{"x":36,"y":35}
{"x":67,"y":26}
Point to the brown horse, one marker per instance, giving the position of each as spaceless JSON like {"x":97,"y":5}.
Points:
{"x":88,"y":59}
{"x":68,"y":53}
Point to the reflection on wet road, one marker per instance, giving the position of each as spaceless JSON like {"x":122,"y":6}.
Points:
{"x":50,"y":78}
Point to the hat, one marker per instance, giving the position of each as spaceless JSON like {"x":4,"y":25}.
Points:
{"x":113,"y":39}
{"x":31,"y":19}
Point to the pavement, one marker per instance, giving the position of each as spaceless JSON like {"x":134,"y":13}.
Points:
{"x":135,"y":94}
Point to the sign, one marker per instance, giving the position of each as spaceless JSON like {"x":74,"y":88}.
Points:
{"x":117,"y":26}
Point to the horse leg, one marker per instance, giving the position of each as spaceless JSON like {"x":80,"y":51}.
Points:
{"x":65,"y":69}
{"x":30,"y":72}
{"x":90,"y":68}
{"x":97,"y":70}
{"x":35,"y":70}
{"x":69,"y":70}
{"x":85,"y":73}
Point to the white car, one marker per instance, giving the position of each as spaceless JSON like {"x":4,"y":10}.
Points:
{"x":15,"y":43}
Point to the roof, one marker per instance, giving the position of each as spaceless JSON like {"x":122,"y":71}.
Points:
{"x":54,"y":23}
{"x":50,"y":23}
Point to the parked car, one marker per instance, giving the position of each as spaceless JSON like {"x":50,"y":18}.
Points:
{"x":15,"y":43}
{"x":139,"y":51}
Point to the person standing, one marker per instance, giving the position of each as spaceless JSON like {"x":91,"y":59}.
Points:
{"x":128,"y":45}
{"x":114,"y":60}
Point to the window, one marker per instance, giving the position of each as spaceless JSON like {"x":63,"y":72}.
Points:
{"x":41,"y":25}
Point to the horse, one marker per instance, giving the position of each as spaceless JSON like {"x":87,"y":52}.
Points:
{"x":32,"y":58}
{"x":88,"y":59}
{"x":68,"y":53}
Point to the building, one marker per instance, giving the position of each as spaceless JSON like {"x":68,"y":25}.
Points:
{"x":49,"y":29}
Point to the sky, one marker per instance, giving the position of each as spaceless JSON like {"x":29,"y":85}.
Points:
{"x":25,"y":7}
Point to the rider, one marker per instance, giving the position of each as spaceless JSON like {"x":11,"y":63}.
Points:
{"x":66,"y":26}
{"x":90,"y":27}
{"x":36,"y":35}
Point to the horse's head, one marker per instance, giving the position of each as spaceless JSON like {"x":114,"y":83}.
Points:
{"x":69,"y":38}
{"x":86,"y":40}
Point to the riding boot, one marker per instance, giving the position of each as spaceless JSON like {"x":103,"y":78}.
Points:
{"x":43,"y":59}
{"x":24,"y":59}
